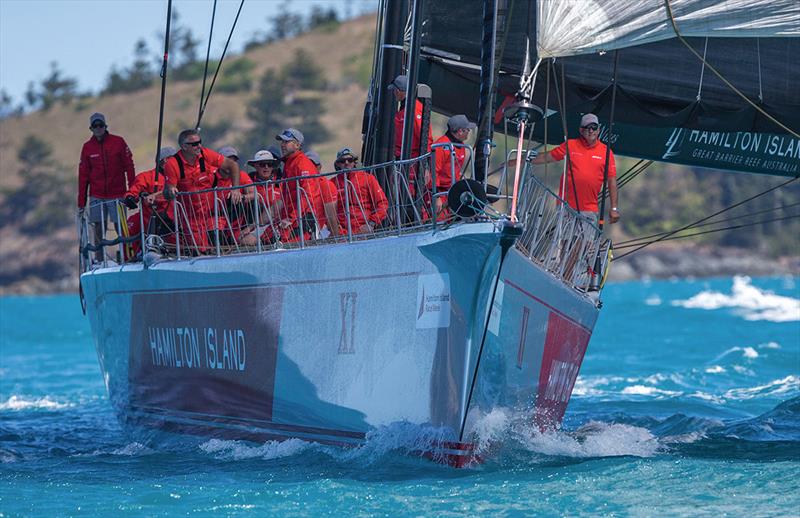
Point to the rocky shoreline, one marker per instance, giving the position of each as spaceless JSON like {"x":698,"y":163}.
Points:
{"x":654,"y":263}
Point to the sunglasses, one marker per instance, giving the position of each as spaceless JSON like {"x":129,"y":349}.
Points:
{"x":195,"y":144}
{"x":98,"y":125}
{"x":349,"y":160}
{"x":265,"y":163}
{"x":590,"y":127}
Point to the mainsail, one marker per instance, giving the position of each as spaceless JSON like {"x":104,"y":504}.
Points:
{"x":671,"y":105}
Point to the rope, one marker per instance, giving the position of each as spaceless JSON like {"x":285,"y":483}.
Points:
{"x":205,"y":69}
{"x":219,"y":65}
{"x":702,"y":71}
{"x":163,"y":88}
{"x":690,"y":225}
{"x":722,"y":78}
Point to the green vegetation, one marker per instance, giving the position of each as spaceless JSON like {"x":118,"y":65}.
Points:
{"x":290,"y":97}
{"x":43,"y":203}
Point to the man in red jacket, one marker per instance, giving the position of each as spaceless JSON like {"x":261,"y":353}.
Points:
{"x":104,"y":173}
{"x":298,"y":165}
{"x":366,"y":202}
{"x":450,"y":162}
{"x":192,"y":169}
{"x":146,"y":189}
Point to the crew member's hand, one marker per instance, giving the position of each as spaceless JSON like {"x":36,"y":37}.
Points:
{"x":150,"y":199}
{"x":170,"y":191}
{"x":286,"y":223}
{"x":131,"y":202}
{"x":614,"y":215}
{"x":236,"y":196}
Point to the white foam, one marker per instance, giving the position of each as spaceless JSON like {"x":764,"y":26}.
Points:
{"x":593,"y":439}
{"x":653,"y":300}
{"x":644,"y":390}
{"x":133,"y":449}
{"x":749,"y":302}
{"x":491,"y":427}
{"x":780,"y":387}
{"x":749,"y":352}
{"x":22,"y":403}
{"x":715,"y":369}
{"x":238,"y":450}
{"x":769,"y":345}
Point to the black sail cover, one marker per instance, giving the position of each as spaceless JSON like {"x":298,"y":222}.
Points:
{"x":670,"y":107}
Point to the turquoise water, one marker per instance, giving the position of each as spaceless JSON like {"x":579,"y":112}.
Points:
{"x":688,"y":402}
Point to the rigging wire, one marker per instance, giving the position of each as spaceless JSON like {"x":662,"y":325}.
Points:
{"x":711,"y":231}
{"x":205,"y":69}
{"x":693,"y":224}
{"x":219,"y":65}
{"x":639,"y":240}
{"x":164,"y":69}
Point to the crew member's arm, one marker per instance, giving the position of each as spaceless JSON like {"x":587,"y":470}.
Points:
{"x":380,"y":204}
{"x":83,"y":178}
{"x":328,"y":194}
{"x":233,"y":169}
{"x":612,"y":193}
{"x":127,"y":159}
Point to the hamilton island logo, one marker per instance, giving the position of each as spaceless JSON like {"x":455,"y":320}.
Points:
{"x":433,"y":301}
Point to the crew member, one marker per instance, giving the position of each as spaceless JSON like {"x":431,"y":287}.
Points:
{"x":226,"y":210}
{"x":106,"y":164}
{"x":326,"y":203}
{"x":268,"y":199}
{"x":450,"y":163}
{"x":157,"y":212}
{"x":297,"y":165}
{"x":584,"y":179}
{"x":191,"y":170}
{"x":366,"y":202}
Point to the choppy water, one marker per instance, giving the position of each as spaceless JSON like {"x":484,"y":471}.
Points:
{"x":688,"y":403}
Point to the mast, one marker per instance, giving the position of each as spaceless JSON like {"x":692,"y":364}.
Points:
{"x":483,"y":141}
{"x":391,"y":65}
{"x":411,"y":91}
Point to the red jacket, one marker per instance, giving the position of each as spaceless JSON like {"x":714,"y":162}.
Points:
{"x":365,"y":199}
{"x":104,"y":168}
{"x":444,"y":173}
{"x":145,"y":183}
{"x":398,"y":130}
{"x":299,"y":165}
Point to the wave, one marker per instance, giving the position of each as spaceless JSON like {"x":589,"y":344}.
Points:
{"x":17,"y":403}
{"x":240,"y":450}
{"x":748,"y":301}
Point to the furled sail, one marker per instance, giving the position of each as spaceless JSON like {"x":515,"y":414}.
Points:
{"x":670,"y":105}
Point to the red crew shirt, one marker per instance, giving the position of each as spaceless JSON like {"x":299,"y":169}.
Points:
{"x":587,"y":165}
{"x":444,"y":178}
{"x":104,"y":168}
{"x":144,"y":184}
{"x":298,"y":165}
{"x":366,"y":200}
{"x":194,"y":179}
{"x":398,"y":130}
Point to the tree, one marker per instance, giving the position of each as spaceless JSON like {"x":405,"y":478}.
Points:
{"x":266,"y":110}
{"x":304,"y":82}
{"x":286,"y":25}
{"x":138,"y":76}
{"x":56,"y":88}
{"x":7,"y":108}
{"x":321,"y":17}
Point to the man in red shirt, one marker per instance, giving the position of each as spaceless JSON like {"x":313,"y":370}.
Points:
{"x":149,"y":191}
{"x":268,"y":199}
{"x":106,"y":164}
{"x":326,"y":203}
{"x":192,"y":169}
{"x":398,"y":88}
{"x":366,"y":202}
{"x":584,"y":178}
{"x":298,"y":165}
{"x":450,"y":163}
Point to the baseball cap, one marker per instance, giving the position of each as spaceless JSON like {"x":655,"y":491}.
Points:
{"x":457,"y":122}
{"x":290,"y":134}
{"x":97,"y":116}
{"x":400,"y":83}
{"x":345,"y":152}
{"x":314,"y":157}
{"x":261,"y":156}
{"x":166,"y":152}
{"x":228,"y":152}
{"x":589,"y":118}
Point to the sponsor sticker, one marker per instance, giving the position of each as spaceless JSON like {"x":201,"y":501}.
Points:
{"x":433,"y":301}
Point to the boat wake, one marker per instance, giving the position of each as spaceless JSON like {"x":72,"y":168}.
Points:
{"x":747,"y":301}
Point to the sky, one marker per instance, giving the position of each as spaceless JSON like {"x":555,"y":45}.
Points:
{"x":87,"y":37}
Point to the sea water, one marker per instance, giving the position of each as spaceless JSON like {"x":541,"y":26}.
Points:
{"x":688,"y":403}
